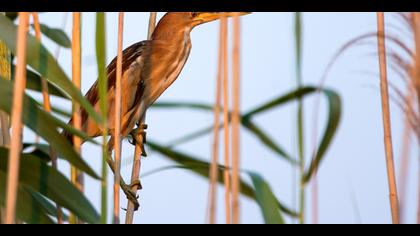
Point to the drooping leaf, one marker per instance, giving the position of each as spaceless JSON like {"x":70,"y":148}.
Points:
{"x":266,"y":200}
{"x":334,"y":117}
{"x":38,"y":57}
{"x":185,"y":105}
{"x":45,"y":125}
{"x":33,"y":82}
{"x":267,"y":141}
{"x":37,"y":175}
{"x":57,"y":35}
{"x":201,"y":168}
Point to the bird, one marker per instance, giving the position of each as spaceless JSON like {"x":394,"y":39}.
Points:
{"x":149,"y":67}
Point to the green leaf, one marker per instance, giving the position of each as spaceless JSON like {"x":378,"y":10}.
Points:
{"x":12,"y":15}
{"x":42,"y":151}
{"x":28,"y":208}
{"x":37,"y":175}
{"x":334,"y":117}
{"x":45,"y":125}
{"x":33,"y":82}
{"x":266,"y":200}
{"x":184,"y":105}
{"x":201,"y":168}
{"x":267,"y":141}
{"x":57,"y":35}
{"x":100,"y":40}
{"x":48,"y":207}
{"x":38,"y":57}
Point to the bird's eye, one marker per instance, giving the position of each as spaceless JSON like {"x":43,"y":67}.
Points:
{"x":194,"y":14}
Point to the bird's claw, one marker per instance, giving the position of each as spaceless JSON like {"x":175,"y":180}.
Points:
{"x":139,"y":138}
{"x":130,"y":194}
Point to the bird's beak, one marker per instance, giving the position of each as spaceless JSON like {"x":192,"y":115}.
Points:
{"x":204,"y":17}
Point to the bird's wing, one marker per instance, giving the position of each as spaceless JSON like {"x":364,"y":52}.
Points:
{"x":130,"y":55}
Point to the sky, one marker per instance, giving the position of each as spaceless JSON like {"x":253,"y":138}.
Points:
{"x":352,"y":180}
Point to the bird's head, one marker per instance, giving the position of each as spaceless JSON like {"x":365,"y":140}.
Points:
{"x":198,"y":18}
{"x":173,"y":23}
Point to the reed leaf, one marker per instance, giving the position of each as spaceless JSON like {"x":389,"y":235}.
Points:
{"x":34,"y":82}
{"x":37,"y":175}
{"x":45,"y":64}
{"x":46,"y":126}
{"x":28,"y":208}
{"x":266,"y":199}
{"x":56,"y":35}
{"x":102,"y":82}
{"x":334,"y":117}
{"x":201,"y":168}
{"x":46,"y":204}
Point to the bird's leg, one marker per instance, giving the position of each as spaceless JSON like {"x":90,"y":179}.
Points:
{"x":127,"y":188}
{"x":138,"y":136}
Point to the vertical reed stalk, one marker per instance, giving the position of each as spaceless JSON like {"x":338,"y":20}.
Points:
{"x":17,"y":104}
{"x":102,"y":82}
{"x":212,"y":204}
{"x":47,"y":107}
{"x":300,"y":124}
{"x":387,"y":119}
{"x":416,"y":77}
{"x":76,"y":175}
{"x":236,"y":120}
{"x":117,"y":129}
{"x":135,"y":173}
{"x":405,"y":158}
{"x":226,"y":173}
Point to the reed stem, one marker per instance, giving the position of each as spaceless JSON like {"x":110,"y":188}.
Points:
{"x":236,"y":120}
{"x":387,"y":120}
{"x":226,"y":172}
{"x":212,"y":202}
{"x":17,"y":105}
{"x":117,"y":129}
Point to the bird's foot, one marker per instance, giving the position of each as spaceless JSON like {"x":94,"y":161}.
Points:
{"x":130,"y":194}
{"x":138,"y":136}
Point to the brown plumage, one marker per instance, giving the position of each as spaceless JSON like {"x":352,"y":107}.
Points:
{"x":149,"y":68}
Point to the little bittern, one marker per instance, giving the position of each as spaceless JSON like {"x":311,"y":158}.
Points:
{"x":149,"y":68}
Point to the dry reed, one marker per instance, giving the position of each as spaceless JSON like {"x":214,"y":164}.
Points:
{"x":416,"y":82}
{"x":236,"y":120}
{"x":387,"y":119}
{"x":212,"y":204}
{"x":117,"y":129}
{"x":226,"y":172}
{"x":17,"y":104}
{"x":76,"y":175}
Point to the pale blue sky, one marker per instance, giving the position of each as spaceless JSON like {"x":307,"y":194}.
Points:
{"x":351,"y":177}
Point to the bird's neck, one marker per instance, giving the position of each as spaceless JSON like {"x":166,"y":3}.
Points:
{"x":172,"y":36}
